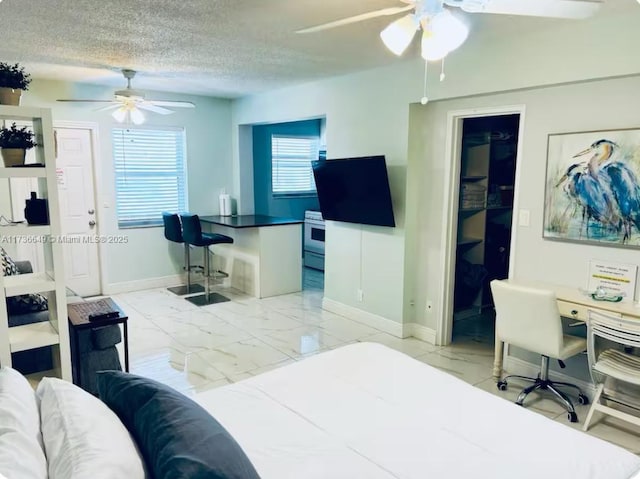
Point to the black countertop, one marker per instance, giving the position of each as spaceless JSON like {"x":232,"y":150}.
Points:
{"x":249,"y":221}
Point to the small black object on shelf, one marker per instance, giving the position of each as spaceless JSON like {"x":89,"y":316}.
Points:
{"x":37,"y":210}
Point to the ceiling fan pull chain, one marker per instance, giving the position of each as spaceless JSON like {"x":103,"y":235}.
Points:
{"x":442,"y":75}
{"x":424,"y":99}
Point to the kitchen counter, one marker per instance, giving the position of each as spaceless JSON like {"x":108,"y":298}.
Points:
{"x":265,"y":258}
{"x":248,"y":221}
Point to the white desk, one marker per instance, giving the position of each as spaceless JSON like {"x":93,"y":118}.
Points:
{"x":265,"y":258}
{"x":572,"y":304}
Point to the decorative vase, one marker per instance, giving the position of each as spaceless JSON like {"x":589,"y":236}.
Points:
{"x":13,"y":156}
{"x":9,"y":96}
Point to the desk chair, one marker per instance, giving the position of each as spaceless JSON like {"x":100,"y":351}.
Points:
{"x":193,"y":235}
{"x":529,"y":318}
{"x":612,"y":362}
{"x":173,"y":233}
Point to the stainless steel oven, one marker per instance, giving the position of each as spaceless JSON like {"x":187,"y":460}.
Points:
{"x":314,"y":239}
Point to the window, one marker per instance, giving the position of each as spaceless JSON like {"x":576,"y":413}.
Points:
{"x":291,"y":158}
{"x":149,"y":173}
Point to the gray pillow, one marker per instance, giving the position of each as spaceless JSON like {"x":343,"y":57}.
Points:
{"x":177,"y":437}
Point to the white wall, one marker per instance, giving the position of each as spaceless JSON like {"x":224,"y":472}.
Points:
{"x":368,"y":113}
{"x":148,"y":255}
{"x":363,"y":117}
{"x":598,"y":105}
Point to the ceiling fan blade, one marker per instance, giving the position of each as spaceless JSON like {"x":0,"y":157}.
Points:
{"x":88,"y":101}
{"x":358,"y":18}
{"x":154,"y":108}
{"x":174,"y":104}
{"x":113,"y":106}
{"x":576,"y":9}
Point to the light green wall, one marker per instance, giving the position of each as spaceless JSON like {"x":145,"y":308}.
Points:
{"x":368,"y":113}
{"x":148,"y":255}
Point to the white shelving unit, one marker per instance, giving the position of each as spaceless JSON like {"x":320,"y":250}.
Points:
{"x":54,"y":332}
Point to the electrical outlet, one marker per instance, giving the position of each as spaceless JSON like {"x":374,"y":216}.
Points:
{"x":360,"y":295}
{"x":524,"y":218}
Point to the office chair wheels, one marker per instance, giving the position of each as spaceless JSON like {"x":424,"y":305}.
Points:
{"x":502,"y":385}
{"x":572,"y":417}
{"x":582,"y":399}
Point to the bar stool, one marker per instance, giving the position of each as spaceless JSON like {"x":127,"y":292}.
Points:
{"x":173,"y":232}
{"x":193,"y":235}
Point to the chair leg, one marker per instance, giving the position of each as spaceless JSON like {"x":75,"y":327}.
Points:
{"x":189,"y":288}
{"x":526,"y":391}
{"x":207,"y":271}
{"x":515,"y":376}
{"x":562,"y":397}
{"x":208,"y":297}
{"x":569,"y":385}
{"x":187,"y":264}
{"x":594,"y":407}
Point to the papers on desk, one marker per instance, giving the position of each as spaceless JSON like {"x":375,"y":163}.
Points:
{"x":615,"y":278}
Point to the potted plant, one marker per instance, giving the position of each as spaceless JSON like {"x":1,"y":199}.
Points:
{"x":14,"y":143}
{"x":13,"y":81}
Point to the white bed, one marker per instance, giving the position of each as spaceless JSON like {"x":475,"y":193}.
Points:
{"x":366,"y":411}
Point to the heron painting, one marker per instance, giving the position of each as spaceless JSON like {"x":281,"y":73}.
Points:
{"x":593,"y":187}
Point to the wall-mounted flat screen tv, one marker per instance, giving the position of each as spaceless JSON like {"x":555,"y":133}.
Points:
{"x":354,"y":190}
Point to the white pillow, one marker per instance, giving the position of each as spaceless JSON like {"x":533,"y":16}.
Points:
{"x":21,"y":453}
{"x":83,"y":438}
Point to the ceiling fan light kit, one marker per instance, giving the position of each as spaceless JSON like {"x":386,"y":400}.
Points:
{"x":398,"y":35}
{"x":129,"y":114}
{"x":441,"y":35}
{"x":442,"y":31}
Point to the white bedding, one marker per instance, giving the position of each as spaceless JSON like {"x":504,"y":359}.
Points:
{"x":367,"y":411}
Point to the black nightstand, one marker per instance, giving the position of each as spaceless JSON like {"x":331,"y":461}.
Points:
{"x":79,"y":321}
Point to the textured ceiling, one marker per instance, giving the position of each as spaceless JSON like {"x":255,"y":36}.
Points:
{"x":226,"y":48}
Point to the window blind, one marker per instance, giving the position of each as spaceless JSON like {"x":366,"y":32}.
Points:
{"x":291,"y":158}
{"x":149,"y":173}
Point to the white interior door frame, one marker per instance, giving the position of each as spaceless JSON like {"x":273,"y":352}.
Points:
{"x":453,"y":150}
{"x":97,"y":185}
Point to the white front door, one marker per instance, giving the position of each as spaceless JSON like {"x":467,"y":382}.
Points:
{"x":78,"y":210}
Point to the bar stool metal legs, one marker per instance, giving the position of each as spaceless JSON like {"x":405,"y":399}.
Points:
{"x":189,"y":288}
{"x":208,"y":297}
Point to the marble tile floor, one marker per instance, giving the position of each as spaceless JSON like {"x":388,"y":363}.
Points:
{"x":195,"y":349}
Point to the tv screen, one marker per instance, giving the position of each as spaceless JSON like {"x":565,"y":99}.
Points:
{"x":354,"y":190}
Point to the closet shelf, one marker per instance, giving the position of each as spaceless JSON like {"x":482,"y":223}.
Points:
{"x":469,"y":241}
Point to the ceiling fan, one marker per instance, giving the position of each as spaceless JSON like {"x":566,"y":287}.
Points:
{"x":129,"y":103}
{"x":444,"y":32}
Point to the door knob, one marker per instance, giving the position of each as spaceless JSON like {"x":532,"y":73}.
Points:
{"x":92,"y":223}
{"x":91,"y":211}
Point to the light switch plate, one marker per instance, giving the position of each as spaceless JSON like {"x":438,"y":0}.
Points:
{"x":524,"y":217}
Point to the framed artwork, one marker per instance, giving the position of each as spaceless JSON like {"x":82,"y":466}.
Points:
{"x":592,"y":192}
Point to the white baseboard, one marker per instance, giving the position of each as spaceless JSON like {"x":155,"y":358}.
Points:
{"x":524,"y":368}
{"x":138,"y":285}
{"x":368,"y":319}
{"x":420,"y":332}
{"x":388,"y":326}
